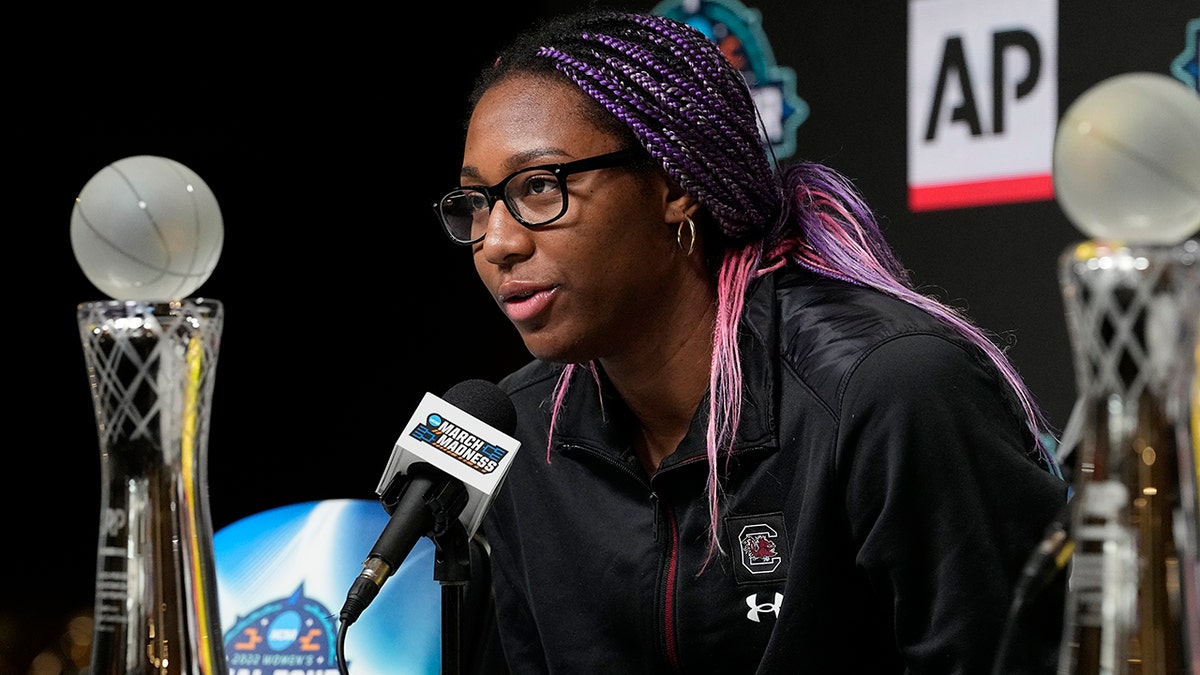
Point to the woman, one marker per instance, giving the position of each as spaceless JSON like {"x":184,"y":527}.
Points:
{"x":748,"y":444}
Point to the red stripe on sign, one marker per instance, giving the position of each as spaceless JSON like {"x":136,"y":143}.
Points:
{"x":980,"y":193}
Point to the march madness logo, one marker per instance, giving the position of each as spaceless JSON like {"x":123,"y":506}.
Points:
{"x":293,"y":634}
{"x":448,"y":437}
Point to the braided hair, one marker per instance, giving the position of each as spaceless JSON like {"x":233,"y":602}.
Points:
{"x":668,"y":87}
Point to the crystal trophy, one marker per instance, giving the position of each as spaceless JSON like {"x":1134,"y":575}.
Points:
{"x":151,"y":367}
{"x":1132,"y":317}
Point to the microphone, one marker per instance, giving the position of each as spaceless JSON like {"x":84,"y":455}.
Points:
{"x":443,"y":473}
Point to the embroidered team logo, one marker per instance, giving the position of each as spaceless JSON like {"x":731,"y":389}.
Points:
{"x":761,"y":547}
{"x":759,"y":554}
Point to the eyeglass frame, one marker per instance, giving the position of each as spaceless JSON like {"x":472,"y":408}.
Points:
{"x":560,"y":171}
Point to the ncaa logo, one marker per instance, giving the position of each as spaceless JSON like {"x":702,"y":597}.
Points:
{"x":759,"y":553}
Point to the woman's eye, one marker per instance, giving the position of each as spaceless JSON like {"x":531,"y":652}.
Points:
{"x":476,"y":201}
{"x":540,"y":184}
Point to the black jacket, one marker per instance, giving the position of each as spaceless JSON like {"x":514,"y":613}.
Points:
{"x":880,"y":501}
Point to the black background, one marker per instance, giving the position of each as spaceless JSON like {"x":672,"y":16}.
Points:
{"x":325,"y":139}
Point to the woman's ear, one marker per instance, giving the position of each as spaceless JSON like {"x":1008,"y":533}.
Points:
{"x":680,"y":204}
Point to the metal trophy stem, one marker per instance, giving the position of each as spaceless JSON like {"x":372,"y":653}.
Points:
{"x":1132,"y":313}
{"x":151,"y":368}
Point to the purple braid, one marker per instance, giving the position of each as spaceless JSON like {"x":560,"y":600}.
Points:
{"x":666,"y":86}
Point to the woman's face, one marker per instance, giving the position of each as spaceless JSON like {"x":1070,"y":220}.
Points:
{"x":602,"y":280}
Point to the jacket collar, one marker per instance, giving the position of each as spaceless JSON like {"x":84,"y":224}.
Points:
{"x":582,"y":427}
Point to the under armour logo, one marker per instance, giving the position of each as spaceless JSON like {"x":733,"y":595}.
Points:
{"x":757,"y":608}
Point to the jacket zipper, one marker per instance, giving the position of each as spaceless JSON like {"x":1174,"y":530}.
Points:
{"x":672,"y":568}
{"x":670,"y":644}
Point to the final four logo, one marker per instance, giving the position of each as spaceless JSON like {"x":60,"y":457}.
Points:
{"x":290,"y":635}
{"x":1186,"y":66}
{"x":737,"y":30}
{"x":453,"y":440}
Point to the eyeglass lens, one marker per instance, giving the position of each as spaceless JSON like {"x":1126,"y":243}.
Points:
{"x":534,"y":197}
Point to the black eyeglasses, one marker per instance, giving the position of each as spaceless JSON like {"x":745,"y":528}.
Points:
{"x":535,"y":196}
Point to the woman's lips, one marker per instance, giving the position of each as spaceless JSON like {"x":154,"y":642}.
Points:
{"x":522,"y":303}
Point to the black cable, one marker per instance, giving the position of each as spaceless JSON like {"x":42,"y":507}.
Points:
{"x":1044,"y":565}
{"x":343,"y":626}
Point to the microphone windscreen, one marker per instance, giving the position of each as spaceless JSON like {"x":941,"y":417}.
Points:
{"x":485,"y":401}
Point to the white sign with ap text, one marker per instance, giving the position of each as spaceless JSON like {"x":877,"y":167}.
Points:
{"x":982,"y":102}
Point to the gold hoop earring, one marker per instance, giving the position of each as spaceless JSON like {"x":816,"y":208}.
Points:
{"x":691,"y":224}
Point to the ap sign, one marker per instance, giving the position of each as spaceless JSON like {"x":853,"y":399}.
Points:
{"x":982,"y":102}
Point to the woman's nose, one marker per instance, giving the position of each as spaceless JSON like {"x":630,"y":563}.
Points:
{"x":505,"y":238}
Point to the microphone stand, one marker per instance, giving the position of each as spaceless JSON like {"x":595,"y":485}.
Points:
{"x":443,"y":499}
{"x":452,"y":568}
{"x":452,"y":565}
